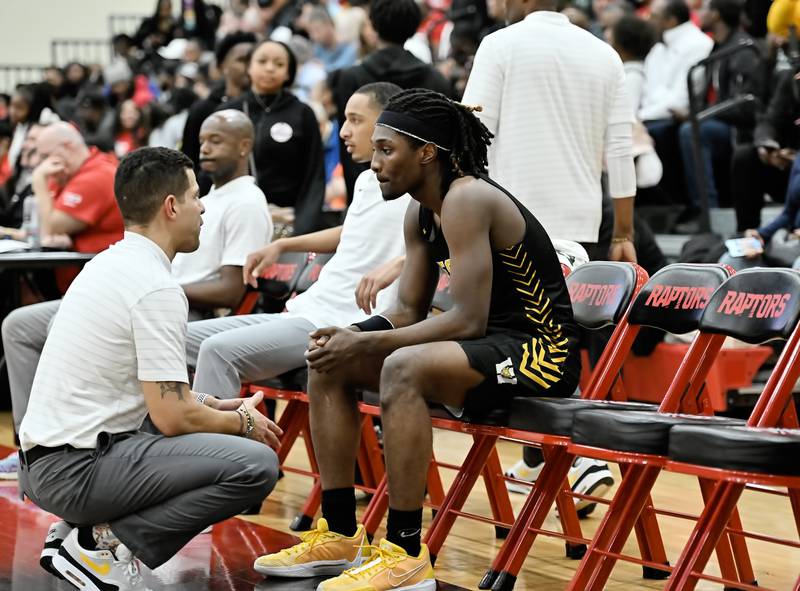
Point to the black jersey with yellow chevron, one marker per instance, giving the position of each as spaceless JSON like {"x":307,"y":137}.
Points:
{"x":529,"y":304}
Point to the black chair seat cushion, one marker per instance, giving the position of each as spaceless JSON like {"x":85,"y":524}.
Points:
{"x":295,"y":380}
{"x":494,"y":418}
{"x":748,"y":449}
{"x":554,"y":416}
{"x":638,"y":432}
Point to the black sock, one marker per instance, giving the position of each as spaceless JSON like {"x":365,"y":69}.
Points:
{"x":86,"y":538}
{"x":532,"y":456}
{"x":339,"y":509}
{"x":404,"y":528}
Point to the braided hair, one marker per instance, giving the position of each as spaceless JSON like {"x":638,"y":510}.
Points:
{"x":468,"y":154}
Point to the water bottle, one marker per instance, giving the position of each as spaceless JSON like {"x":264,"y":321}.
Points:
{"x":30,"y":221}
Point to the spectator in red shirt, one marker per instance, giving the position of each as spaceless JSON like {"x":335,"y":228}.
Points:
{"x":74,"y":188}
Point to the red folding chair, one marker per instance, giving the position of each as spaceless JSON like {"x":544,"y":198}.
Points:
{"x":641,"y":440}
{"x":623,"y":281}
{"x":550,"y":421}
{"x":767,"y":450}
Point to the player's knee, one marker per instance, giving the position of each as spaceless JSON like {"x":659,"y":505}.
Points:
{"x":320,"y":385}
{"x":399,"y":378}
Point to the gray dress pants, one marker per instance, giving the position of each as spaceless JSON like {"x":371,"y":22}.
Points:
{"x":24,"y":333}
{"x":156,"y":492}
{"x":228,"y":351}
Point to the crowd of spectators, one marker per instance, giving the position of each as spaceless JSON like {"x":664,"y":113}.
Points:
{"x":188,"y":58}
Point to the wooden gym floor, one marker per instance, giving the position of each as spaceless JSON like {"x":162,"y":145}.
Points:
{"x":466,"y":555}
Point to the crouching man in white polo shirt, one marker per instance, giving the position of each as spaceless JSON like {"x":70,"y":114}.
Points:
{"x":115,"y":353}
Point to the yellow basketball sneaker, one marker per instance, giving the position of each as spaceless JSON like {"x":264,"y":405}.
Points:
{"x":320,"y":553}
{"x":390,"y":569}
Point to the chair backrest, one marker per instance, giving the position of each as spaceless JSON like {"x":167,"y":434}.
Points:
{"x":279,"y":280}
{"x":672,"y":300}
{"x":676,"y":296}
{"x":755,"y":306}
{"x":601,"y":292}
{"x":310,"y":273}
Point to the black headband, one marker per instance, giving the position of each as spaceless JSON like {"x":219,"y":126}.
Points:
{"x":413,"y":127}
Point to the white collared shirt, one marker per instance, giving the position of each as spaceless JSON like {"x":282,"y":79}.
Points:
{"x":554,"y":96}
{"x":122,"y":321}
{"x":236,"y":222}
{"x":666,"y":68}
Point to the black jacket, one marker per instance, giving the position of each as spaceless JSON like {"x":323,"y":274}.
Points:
{"x":390,"y":64}
{"x":288,"y":154}
{"x":778,"y":125}
{"x":198,"y":112}
{"x":742,"y":73}
{"x":190,"y":144}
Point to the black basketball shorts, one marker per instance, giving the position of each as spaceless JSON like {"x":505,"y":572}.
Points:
{"x":515,"y":364}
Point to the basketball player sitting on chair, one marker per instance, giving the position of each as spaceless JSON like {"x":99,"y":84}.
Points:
{"x":509,"y":333}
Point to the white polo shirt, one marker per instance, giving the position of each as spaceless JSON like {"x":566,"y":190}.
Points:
{"x":236,"y":222}
{"x":553,"y":94}
{"x":372,"y":234}
{"x":122,"y":321}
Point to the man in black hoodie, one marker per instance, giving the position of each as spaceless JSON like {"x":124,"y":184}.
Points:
{"x":394,"y":21}
{"x":231,"y":55}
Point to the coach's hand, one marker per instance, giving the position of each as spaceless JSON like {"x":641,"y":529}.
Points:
{"x":265,"y":430}
{"x":333,"y":347}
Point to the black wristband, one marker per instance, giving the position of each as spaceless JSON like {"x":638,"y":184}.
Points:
{"x":374,"y":323}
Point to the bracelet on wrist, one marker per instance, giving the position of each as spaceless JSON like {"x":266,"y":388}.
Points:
{"x":620,"y":239}
{"x":250,"y":422}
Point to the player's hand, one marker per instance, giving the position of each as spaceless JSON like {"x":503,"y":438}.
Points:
{"x":373,"y":282}
{"x":265,"y":430}
{"x":259,"y":261}
{"x":622,"y":251}
{"x":316,"y":343}
{"x":338,"y":345}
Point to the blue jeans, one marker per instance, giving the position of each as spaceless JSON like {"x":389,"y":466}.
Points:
{"x":715,"y":141}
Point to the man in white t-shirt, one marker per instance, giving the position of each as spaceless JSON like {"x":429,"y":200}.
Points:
{"x":227,"y":351}
{"x":235,"y":223}
{"x":236,"y":219}
{"x":116,"y":353}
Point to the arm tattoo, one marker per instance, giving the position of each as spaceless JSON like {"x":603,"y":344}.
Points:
{"x":171,"y":388}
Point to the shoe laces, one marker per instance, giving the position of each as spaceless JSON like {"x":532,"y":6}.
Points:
{"x":131,"y":567}
{"x":379,"y":557}
{"x":309,"y":539}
